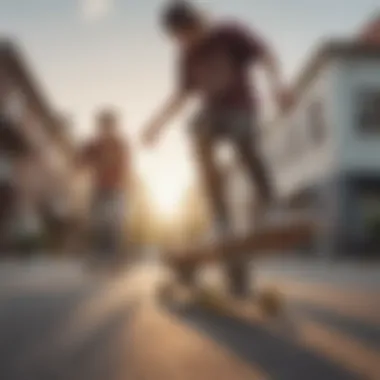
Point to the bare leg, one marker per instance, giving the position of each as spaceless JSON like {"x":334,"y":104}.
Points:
{"x":212,"y":179}
{"x":240,"y":133}
{"x":203,"y":145}
{"x":255,"y":168}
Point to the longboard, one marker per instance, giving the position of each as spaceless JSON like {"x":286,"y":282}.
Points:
{"x":264,"y":303}
{"x":270,"y":238}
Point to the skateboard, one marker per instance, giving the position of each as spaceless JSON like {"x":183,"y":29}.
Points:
{"x":185,"y":262}
{"x":183,"y":289}
{"x":266,"y":302}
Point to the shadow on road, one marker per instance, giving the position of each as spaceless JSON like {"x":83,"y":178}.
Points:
{"x":367,"y":333}
{"x":102,"y":355}
{"x":277,"y":355}
{"x":28,"y":319}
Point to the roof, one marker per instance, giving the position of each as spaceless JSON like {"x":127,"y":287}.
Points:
{"x":371,"y":30}
{"x":13,"y":59}
{"x":329,"y":50}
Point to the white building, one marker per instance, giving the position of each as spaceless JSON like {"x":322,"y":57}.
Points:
{"x":325,"y":152}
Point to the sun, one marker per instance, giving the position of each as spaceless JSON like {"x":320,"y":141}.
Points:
{"x":167,"y":181}
{"x":166,"y":193}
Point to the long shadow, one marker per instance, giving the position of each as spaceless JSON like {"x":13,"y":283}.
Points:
{"x":104,"y":355}
{"x":367,"y":333}
{"x":28,"y":319}
{"x":281,"y":358}
{"x":101,"y":355}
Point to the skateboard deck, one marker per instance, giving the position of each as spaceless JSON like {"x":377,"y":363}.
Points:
{"x":266,"y":302}
{"x":263,"y":241}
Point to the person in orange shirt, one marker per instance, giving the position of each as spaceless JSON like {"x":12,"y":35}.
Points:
{"x":108,"y":157}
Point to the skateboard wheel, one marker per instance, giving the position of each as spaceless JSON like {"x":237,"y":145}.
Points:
{"x":270,"y":302}
{"x":212,"y":299}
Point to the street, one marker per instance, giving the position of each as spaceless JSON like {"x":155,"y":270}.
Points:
{"x":59,"y":322}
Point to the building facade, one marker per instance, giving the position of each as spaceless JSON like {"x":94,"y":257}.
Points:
{"x":324,"y":153}
{"x":40,"y":172}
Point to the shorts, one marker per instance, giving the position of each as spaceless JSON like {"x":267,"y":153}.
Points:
{"x":230,"y":123}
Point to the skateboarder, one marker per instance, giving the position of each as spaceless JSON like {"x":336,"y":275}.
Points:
{"x":108,"y":157}
{"x":214,"y":64}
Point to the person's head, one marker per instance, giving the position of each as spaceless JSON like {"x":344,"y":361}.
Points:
{"x":106,"y":123}
{"x":183,"y":22}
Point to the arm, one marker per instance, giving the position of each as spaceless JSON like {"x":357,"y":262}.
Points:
{"x":250,"y":48}
{"x":271,"y":67}
{"x":277,"y":88}
{"x":170,"y":109}
{"x":84,"y":156}
{"x":175,"y":102}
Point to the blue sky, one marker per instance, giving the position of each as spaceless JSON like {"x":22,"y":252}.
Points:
{"x":88,"y":53}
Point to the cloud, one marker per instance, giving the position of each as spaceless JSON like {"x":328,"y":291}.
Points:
{"x":95,"y":10}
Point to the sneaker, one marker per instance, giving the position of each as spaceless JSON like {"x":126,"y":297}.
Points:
{"x":238,"y":278}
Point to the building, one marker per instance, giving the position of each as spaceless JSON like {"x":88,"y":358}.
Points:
{"x":324,"y":153}
{"x":40,"y":171}
{"x":370,"y":33}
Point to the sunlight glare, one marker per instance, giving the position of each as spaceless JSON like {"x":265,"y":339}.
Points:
{"x":167,"y":181}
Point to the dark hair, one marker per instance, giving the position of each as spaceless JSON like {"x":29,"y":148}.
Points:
{"x":180,"y":15}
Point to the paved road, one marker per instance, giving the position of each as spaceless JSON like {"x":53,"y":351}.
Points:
{"x":58,"y":323}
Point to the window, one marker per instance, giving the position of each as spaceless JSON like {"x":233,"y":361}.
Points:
{"x":316,"y":121}
{"x":368,"y":111}
{"x":369,"y":208}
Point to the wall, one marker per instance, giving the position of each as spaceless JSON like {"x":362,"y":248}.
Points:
{"x":295,"y":159}
{"x":44,"y":177}
{"x":299,"y":159}
{"x":301,"y":148}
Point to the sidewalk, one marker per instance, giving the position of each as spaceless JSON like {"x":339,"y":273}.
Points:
{"x":360,"y":274}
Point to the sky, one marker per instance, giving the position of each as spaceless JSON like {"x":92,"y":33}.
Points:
{"x":93,"y":53}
